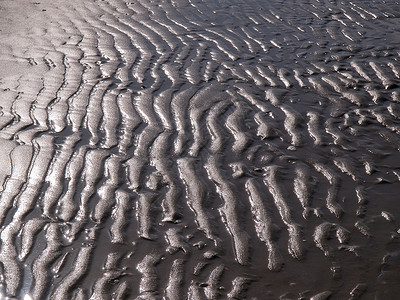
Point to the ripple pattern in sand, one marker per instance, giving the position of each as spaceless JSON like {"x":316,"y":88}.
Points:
{"x":198,"y":149}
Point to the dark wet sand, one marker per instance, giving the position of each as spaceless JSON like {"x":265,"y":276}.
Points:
{"x":199,"y":149}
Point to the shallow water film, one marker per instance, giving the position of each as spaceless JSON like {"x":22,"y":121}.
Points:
{"x":199,"y":149}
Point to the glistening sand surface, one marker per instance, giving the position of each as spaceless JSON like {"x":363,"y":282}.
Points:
{"x":199,"y":149}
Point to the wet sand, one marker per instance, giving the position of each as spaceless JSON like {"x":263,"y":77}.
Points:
{"x":199,"y":149}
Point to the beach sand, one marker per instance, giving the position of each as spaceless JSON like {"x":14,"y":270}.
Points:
{"x":199,"y":149}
